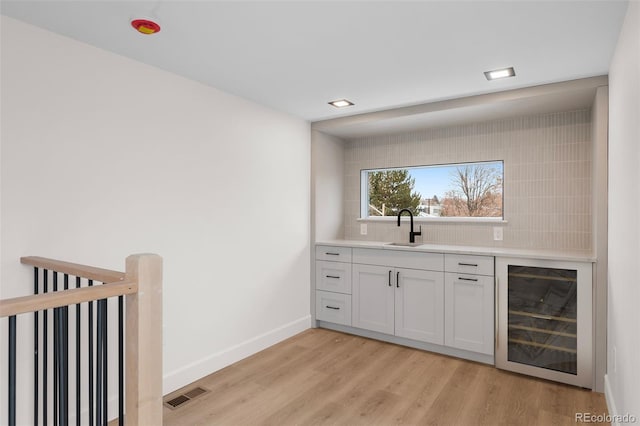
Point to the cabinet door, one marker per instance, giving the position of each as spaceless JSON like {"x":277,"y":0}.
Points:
{"x":469,"y":312}
{"x":372,"y":298}
{"x":419,"y":305}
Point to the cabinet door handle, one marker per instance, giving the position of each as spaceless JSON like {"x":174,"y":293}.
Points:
{"x":467,"y":279}
{"x":497,"y":314}
{"x":398,"y":279}
{"x":468,"y":264}
{"x":332,"y":276}
{"x":332,"y":254}
{"x":390,"y":278}
{"x":333,"y":307}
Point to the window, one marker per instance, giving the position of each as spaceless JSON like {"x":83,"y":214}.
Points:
{"x":448,"y":190}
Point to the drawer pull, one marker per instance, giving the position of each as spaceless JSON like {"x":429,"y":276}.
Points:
{"x":467,"y":279}
{"x":332,"y":276}
{"x":333,"y":307}
{"x":497,"y":309}
{"x":468,"y":264}
{"x":332,"y":254}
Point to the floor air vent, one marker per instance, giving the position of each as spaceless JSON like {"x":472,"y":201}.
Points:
{"x":180,"y":400}
{"x":194,"y":393}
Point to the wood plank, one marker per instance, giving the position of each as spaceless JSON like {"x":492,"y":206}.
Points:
{"x":421,"y":398}
{"x":331,"y":378}
{"x":38,"y":302}
{"x":75,"y":269}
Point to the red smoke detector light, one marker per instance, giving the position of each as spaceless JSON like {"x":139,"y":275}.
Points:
{"x":145,"y":26}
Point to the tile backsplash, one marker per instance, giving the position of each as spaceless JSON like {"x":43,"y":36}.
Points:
{"x":547,"y":179}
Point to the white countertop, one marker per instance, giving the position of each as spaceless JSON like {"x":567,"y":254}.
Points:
{"x":488,"y":251}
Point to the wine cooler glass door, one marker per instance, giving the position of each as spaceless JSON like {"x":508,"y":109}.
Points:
{"x":545,"y":320}
{"x":542,"y":317}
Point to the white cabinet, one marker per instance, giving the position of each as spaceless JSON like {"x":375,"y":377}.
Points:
{"x":372,"y":301}
{"x":469,"y":311}
{"x":405,"y":302}
{"x":333,"y":307}
{"x":333,"y":276}
{"x":442,"y":302}
{"x":333,"y":254}
{"x":469,"y":264}
{"x":333,"y":284}
{"x":419,"y":310}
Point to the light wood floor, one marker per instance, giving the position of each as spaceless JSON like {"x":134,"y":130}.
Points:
{"x":322,"y":377}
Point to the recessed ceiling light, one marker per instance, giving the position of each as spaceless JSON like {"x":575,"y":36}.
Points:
{"x":501,"y":73}
{"x":341,"y":103}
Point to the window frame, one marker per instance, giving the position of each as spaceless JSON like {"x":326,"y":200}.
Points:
{"x":364,"y":197}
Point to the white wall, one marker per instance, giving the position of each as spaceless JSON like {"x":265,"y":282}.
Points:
{"x":327,"y":153}
{"x":623,"y":366}
{"x":103,"y":156}
{"x":599,"y":208}
{"x":547,"y":174}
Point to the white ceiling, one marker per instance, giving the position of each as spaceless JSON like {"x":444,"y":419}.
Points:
{"x":297,"y":56}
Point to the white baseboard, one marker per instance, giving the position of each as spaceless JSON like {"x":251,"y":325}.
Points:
{"x":611,"y":404}
{"x":214,"y":362}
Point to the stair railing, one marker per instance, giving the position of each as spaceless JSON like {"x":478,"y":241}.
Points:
{"x":139,"y":298}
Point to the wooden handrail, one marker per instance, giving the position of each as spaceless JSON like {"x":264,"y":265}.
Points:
{"x":75,"y":269}
{"x":142,"y":285}
{"x":56,"y":299}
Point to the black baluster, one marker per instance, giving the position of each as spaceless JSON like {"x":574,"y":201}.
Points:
{"x":64,"y":373}
{"x":120,"y":360}
{"x":91,"y":406}
{"x":78,"y":381}
{"x":45,"y":344}
{"x":63,"y":378}
{"x":56,"y":362}
{"x":105,"y":363}
{"x":12,"y":371}
{"x":56,"y":351}
{"x":35,"y":350}
{"x":99,"y":360}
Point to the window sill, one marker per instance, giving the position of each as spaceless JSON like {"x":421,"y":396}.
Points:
{"x":474,"y":220}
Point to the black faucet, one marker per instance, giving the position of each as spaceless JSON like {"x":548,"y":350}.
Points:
{"x":412,"y":235}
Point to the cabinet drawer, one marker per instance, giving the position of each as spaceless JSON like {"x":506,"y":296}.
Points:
{"x":333,"y":307}
{"x":333,"y":276}
{"x":334,"y":254}
{"x":400,"y":259}
{"x":468,"y":264}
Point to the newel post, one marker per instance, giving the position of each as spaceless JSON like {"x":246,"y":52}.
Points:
{"x":144,"y":341}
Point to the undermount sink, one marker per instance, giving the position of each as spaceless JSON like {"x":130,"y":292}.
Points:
{"x":405,"y":244}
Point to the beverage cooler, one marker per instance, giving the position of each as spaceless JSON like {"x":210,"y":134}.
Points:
{"x":544,"y":319}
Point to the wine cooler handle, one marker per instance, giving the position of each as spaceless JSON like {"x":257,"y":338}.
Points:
{"x":497,"y":313}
